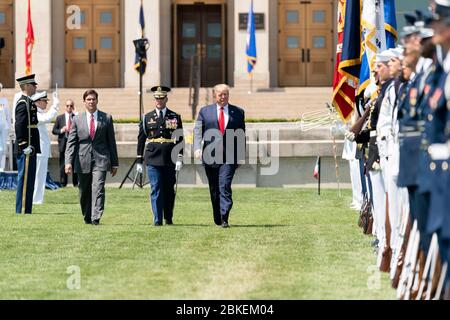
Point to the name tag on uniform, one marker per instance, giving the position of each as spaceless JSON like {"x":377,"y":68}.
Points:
{"x":152,"y":121}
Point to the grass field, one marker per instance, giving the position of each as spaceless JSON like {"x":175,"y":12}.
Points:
{"x":282,"y":244}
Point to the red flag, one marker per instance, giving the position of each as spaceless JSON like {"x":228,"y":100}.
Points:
{"x":343,"y":92}
{"x":29,"y":41}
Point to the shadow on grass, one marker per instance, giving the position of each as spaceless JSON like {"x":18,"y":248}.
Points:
{"x":260,"y":225}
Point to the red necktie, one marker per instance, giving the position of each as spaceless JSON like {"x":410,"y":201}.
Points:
{"x":92,"y":129}
{"x":221,"y":121}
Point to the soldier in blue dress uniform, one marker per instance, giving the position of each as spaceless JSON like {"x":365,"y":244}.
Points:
{"x":27,"y":144}
{"x":161,"y":136}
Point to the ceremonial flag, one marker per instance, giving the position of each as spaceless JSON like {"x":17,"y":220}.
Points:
{"x":343,"y":91}
{"x":316,"y":172}
{"x":390,"y":23}
{"x":351,"y":42}
{"x":375,"y":34}
{"x":29,"y":42}
{"x":251,"y":41}
{"x":137,"y":63}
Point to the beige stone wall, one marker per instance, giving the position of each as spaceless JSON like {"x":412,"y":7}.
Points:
{"x":132,"y":31}
{"x":42,"y":51}
{"x":261,"y":72}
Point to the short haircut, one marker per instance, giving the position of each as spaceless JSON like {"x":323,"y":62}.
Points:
{"x":90,"y":92}
{"x":221,"y":87}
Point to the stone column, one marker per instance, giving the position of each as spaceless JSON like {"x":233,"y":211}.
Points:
{"x":42,"y":54}
{"x":261,"y":73}
{"x":132,"y":31}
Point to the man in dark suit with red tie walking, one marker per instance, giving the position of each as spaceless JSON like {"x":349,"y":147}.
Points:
{"x":221,"y":128}
{"x":62,"y":127}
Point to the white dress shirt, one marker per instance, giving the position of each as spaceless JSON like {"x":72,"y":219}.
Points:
{"x":88,"y":118}
{"x":164,"y":111}
{"x":225,"y":113}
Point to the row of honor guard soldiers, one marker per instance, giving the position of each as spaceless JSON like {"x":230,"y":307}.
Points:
{"x":403,"y":128}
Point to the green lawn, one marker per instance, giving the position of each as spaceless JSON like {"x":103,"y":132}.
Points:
{"x":282,"y":244}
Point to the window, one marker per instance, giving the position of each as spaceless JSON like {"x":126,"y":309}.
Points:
{"x":189,"y":30}
{"x":292,"y":16}
{"x":214,"y":30}
{"x":319,"y":16}
{"x":188,"y":50}
{"x":2,"y":18}
{"x":106,"y":17}
{"x":319,"y":42}
{"x":106,"y":42}
{"x":292,"y":42}
{"x":79,"y":43}
{"x":214,"y":51}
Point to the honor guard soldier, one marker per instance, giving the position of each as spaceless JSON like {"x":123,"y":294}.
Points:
{"x":27,"y":144}
{"x":161,"y":135}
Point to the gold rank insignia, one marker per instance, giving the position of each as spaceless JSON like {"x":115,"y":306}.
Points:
{"x":413,"y":96}
{"x":435,"y":98}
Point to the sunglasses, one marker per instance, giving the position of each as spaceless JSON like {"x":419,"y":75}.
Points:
{"x":69,"y":105}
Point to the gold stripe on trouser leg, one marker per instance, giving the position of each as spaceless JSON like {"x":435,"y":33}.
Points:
{"x":25,"y":181}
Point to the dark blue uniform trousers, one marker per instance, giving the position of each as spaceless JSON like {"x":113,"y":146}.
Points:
{"x":162,"y":196}
{"x":219,"y":179}
{"x":31,"y":175}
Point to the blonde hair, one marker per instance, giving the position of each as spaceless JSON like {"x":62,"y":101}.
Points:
{"x":221,"y":87}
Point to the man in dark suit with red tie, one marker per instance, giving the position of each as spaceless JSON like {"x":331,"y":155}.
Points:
{"x":62,"y":127}
{"x":221,"y":128}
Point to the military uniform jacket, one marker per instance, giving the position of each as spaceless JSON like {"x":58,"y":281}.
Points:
{"x":160,"y":153}
{"x":26,"y":115}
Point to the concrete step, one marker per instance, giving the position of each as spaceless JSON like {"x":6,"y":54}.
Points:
{"x":274,"y":103}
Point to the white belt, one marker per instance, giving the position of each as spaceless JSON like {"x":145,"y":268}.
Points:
{"x":409,"y":134}
{"x":439,"y":151}
{"x":373,"y":133}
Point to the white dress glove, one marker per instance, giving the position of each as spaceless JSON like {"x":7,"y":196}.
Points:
{"x":178,"y":166}
{"x":350,"y":135}
{"x":139,"y":168}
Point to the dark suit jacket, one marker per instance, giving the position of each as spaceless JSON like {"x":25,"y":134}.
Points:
{"x":231,"y":145}
{"x":82,"y":150}
{"x":62,"y":137}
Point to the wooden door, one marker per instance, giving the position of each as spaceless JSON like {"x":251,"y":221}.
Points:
{"x":292,"y":44}
{"x":305,"y":52}
{"x":189,"y":41}
{"x":212,"y":46}
{"x":7,"y":53}
{"x":319,"y":66}
{"x":79,"y":71}
{"x":200,"y":30}
{"x":93,"y":51}
{"x":106,"y":48}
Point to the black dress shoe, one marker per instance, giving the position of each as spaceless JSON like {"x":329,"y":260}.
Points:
{"x":225,"y":224}
{"x":87,"y":222}
{"x":157,"y":224}
{"x":169,"y":221}
{"x":96,"y":222}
